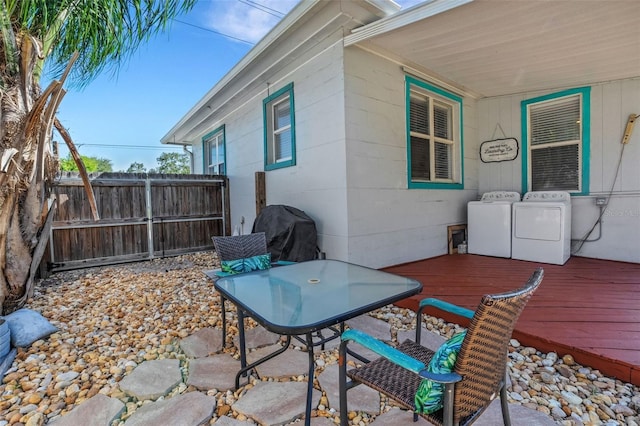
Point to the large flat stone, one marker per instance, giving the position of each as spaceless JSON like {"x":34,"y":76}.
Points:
{"x":214,"y":372}
{"x":360,"y":398}
{"x":428,"y":339}
{"x":98,"y":410}
{"x":190,"y":409}
{"x":325,"y":333}
{"x":372,"y":326}
{"x":399,"y":417}
{"x":520,"y":416}
{"x":256,"y":337}
{"x":322,"y":421}
{"x":276,"y":403}
{"x":290,"y":363}
{"x":152,"y":379}
{"x":228,"y":421}
{"x":203,"y":342}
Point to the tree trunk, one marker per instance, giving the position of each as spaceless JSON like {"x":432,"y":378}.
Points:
{"x":25,"y":126}
{"x":22,"y":202}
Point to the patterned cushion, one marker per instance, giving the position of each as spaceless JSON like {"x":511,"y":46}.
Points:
{"x":239,"y":266}
{"x":429,"y":396}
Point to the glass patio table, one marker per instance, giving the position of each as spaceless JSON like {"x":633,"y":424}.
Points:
{"x":304,"y":298}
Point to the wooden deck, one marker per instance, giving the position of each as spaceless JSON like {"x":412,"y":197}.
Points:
{"x":588,"y":308}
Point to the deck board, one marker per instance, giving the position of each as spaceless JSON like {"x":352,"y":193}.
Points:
{"x":589,"y":308}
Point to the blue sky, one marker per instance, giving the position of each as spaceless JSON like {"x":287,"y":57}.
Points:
{"x":122,"y":117}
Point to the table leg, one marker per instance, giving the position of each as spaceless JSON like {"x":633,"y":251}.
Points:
{"x":224,"y":322}
{"x":307,"y":417}
{"x":247,"y":368}
{"x":243,"y":353}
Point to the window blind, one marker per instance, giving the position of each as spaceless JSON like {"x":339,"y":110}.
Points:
{"x":555,"y":121}
{"x":555,"y":168}
{"x":555,"y":141}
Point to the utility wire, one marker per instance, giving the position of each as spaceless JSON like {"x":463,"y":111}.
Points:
{"x":250,"y":3}
{"x":213,"y":31}
{"x":262,"y":8}
{"x":163,"y":147}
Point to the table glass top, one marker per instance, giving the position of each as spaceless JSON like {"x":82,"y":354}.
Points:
{"x":315,"y":293}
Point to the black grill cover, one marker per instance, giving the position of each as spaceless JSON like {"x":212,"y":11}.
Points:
{"x":291,"y":234}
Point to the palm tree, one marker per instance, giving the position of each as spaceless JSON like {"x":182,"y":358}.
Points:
{"x":76,"y":40}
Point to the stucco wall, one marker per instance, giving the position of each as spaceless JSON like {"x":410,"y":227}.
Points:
{"x":611,"y":104}
{"x":388,"y":223}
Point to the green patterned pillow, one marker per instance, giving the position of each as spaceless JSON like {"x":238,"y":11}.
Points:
{"x":429,"y":396}
{"x":239,"y":266}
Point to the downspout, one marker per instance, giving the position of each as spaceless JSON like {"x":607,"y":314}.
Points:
{"x":184,"y":147}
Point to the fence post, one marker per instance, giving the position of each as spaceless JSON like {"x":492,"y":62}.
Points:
{"x":147,"y":185}
{"x":261,"y":192}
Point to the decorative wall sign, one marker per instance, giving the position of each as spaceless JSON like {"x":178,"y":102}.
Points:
{"x":499,"y":150}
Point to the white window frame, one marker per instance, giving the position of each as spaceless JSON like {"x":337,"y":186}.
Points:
{"x":433,"y":96}
{"x":582,"y":96}
{"x":215,"y":152}
{"x":272,"y":159}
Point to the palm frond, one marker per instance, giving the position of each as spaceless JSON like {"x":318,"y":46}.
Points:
{"x":10,"y":46}
{"x":105,"y":32}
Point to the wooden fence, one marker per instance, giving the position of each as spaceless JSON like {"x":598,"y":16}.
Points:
{"x":142,"y":216}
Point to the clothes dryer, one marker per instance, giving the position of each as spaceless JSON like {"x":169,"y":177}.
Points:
{"x":542,"y":227}
{"x":489,"y":224}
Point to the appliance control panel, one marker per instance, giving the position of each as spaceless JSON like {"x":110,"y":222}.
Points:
{"x":558,"y":196}
{"x":500,"y":196}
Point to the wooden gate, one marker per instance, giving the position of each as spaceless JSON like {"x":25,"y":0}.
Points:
{"x":142,"y":216}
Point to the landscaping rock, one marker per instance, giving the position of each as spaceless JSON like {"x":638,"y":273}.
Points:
{"x":190,"y":409}
{"x":152,"y":379}
{"x":275,"y":403}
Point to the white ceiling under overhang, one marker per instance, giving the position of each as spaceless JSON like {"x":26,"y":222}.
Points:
{"x":498,"y":47}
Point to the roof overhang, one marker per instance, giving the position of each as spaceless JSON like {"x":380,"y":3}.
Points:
{"x":491,"y":48}
{"x":277,"y":48}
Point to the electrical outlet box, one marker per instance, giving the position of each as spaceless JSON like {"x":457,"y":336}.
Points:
{"x":601,"y":201}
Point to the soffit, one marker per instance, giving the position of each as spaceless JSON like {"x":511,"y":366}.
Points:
{"x":493,"y":48}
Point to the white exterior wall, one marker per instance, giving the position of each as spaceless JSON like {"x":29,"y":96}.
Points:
{"x":611,"y":104}
{"x":388,"y":223}
{"x":316,"y":184}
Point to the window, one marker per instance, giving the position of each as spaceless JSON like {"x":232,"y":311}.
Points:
{"x":214,"y":152}
{"x":279,"y":129}
{"x":556,"y":142}
{"x":434,"y":136}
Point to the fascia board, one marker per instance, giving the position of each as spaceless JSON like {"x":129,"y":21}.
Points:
{"x":288,"y":22}
{"x":401,"y":19}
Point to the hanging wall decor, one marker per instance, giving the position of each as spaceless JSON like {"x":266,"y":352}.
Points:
{"x":496,"y":150}
{"x":499,"y":150}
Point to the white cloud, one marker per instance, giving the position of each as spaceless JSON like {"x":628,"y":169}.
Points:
{"x":243,"y":21}
{"x":406,"y":4}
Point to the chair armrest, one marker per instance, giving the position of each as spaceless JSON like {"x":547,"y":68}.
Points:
{"x":218,"y":273}
{"x":440,"y":377}
{"x":446,"y":306}
{"x":382,"y":349}
{"x":282,"y":263}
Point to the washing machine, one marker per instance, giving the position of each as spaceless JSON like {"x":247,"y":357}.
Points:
{"x":542,"y":227}
{"x":489,"y":224}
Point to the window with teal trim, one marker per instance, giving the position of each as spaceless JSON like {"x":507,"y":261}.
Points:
{"x":279,"y":129}
{"x":434,"y":136}
{"x":214,"y":152}
{"x":556,"y":142}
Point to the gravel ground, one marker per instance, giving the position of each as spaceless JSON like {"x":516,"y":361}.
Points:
{"x":113,"y":318}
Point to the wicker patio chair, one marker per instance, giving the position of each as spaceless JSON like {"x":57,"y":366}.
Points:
{"x":479,"y":372}
{"x":233,"y":248}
